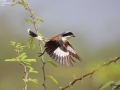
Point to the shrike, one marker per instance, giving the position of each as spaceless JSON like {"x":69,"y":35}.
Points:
{"x":58,"y":47}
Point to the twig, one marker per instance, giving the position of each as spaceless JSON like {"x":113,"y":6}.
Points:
{"x":42,"y":57}
{"x":26,"y":75}
{"x":43,"y":68}
{"x":91,"y":73}
{"x":25,"y":71}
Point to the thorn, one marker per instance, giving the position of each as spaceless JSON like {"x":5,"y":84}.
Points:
{"x":69,"y":84}
{"x":110,"y":58}
{"x":74,"y":76}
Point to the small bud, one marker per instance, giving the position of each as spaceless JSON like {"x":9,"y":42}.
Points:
{"x":74,"y":76}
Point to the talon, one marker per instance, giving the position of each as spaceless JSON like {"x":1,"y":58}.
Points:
{"x":41,"y":53}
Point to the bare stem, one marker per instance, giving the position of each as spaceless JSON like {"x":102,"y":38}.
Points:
{"x":26,"y":75}
{"x":43,"y":68}
{"x":42,"y":57}
{"x":90,"y":73}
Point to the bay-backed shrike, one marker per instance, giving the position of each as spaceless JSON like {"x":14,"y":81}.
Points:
{"x":59,"y":48}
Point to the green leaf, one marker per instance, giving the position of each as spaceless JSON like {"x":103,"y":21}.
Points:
{"x":39,"y":34}
{"x":12,"y":43}
{"x":22,"y":56}
{"x":27,"y":63}
{"x":37,"y":25}
{"x":51,"y":62}
{"x":31,"y":43}
{"x":32,"y":12}
{"x":23,"y":1}
{"x":32,"y":70}
{"x":29,"y":67}
{"x":116,"y":85}
{"x":25,"y":80}
{"x":11,"y":60}
{"x":29,"y":20}
{"x":29,"y":60}
{"x":18,"y":46}
{"x":14,"y":3}
{"x":53,"y":79}
{"x":40,"y":19}
{"x":106,"y":85}
{"x":22,"y":46}
{"x":33,"y":80}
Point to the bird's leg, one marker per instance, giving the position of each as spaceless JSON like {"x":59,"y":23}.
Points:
{"x":41,"y":53}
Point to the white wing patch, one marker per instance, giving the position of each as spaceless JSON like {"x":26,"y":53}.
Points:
{"x":39,"y":38}
{"x":60,"y":53}
{"x":71,"y":49}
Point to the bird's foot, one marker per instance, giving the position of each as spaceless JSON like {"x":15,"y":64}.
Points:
{"x":41,"y":54}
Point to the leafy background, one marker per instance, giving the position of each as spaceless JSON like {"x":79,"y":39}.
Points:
{"x":95,"y":25}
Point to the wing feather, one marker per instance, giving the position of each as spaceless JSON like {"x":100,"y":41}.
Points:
{"x":72,"y":51}
{"x":58,"y":52}
{"x":61,"y":52}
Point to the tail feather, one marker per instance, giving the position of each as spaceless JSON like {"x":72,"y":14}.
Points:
{"x":34,"y":35}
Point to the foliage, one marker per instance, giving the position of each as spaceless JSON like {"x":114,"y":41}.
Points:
{"x":53,"y":79}
{"x":51,"y":62}
{"x":114,"y":85}
{"x":26,"y":63}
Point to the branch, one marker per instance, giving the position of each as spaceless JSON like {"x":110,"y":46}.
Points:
{"x":91,"y":73}
{"x":42,"y":57}
{"x":26,"y":75}
{"x":43,"y":68}
{"x":25,"y":71}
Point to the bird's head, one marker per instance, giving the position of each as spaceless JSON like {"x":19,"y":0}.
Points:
{"x":67,"y":34}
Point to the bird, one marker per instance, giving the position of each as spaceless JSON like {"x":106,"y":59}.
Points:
{"x":59,"y":48}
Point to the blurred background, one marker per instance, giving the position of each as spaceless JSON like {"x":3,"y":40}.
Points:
{"x":96,"y":25}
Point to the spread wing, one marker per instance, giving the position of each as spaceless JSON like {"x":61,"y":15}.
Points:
{"x":72,"y":51}
{"x":61,"y":52}
{"x":58,"y":52}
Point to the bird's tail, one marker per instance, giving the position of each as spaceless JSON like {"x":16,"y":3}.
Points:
{"x":31,"y":33}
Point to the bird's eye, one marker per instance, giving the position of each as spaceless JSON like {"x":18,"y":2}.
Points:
{"x":69,"y":33}
{"x":65,"y":34}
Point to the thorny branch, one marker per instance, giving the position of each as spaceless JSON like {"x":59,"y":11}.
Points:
{"x":25,"y":71}
{"x":91,"y":73}
{"x":42,"y":58}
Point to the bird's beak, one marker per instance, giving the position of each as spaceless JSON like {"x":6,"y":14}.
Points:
{"x":73,"y":36}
